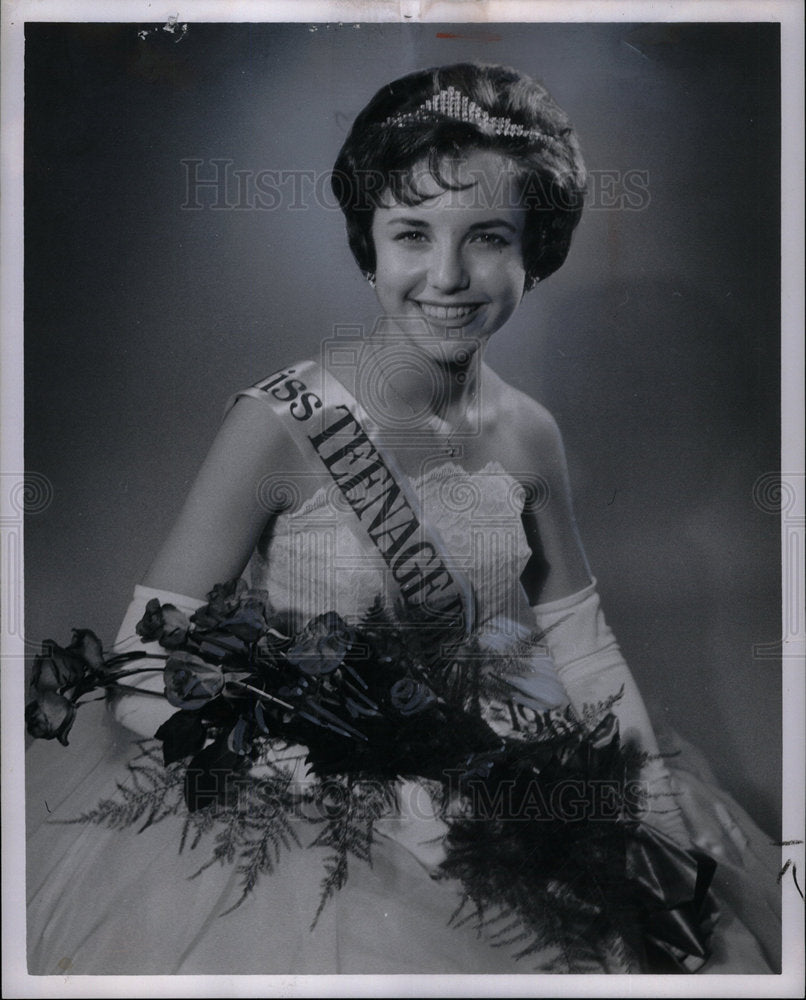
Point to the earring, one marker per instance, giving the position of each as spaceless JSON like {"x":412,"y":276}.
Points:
{"x":370,"y":276}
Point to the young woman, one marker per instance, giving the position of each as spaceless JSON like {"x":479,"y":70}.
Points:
{"x":401,"y":468}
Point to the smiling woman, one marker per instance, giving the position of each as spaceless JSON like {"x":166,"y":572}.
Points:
{"x":413,"y":129}
{"x":454,"y":259}
{"x":376,"y":592}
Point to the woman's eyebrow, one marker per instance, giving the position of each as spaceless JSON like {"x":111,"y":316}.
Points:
{"x":486,"y":224}
{"x":418,"y":223}
{"x":494,"y":224}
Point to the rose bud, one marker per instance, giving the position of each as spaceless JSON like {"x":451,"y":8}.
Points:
{"x":163,"y":623}
{"x":322,"y":645}
{"x":50,"y":717}
{"x":410,"y":697}
{"x":223,"y":600}
{"x":56,"y":669}
{"x":248,"y":622}
{"x":149,"y":628}
{"x":190,"y":682}
{"x":87,"y":644}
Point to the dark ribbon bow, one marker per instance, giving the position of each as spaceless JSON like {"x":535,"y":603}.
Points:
{"x":679,"y":911}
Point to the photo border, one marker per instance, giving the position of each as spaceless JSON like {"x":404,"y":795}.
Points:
{"x":789,"y":13}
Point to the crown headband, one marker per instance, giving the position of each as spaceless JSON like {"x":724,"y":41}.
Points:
{"x":454,"y":104}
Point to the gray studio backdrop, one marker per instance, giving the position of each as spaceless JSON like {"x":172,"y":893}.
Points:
{"x":656,"y":346}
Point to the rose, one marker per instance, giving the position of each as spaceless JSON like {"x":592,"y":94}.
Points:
{"x":163,"y":623}
{"x":322,"y":645}
{"x":225,"y":600}
{"x":411,"y":697}
{"x":190,"y":682}
{"x":87,"y":644}
{"x":51,"y":716}
{"x":234,"y":617}
{"x":56,"y":669}
{"x":245,"y":625}
{"x":248,"y":622}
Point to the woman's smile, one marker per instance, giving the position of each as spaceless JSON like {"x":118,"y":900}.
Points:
{"x":437,"y":311}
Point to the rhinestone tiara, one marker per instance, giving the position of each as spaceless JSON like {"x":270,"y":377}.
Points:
{"x":454,"y":104}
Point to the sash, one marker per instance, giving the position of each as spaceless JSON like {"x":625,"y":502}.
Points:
{"x":331,"y":431}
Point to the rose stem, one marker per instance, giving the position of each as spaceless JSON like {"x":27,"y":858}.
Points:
{"x":261,"y":694}
{"x":131,"y":687}
{"x":143,"y":670}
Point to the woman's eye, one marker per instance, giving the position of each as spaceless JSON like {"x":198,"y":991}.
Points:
{"x":490,"y":239}
{"x":410,"y":236}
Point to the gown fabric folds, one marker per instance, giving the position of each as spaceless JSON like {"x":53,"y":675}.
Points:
{"x":104,"y":901}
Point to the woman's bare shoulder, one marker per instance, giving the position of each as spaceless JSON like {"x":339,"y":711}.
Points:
{"x":242,"y":484}
{"x":254,"y":430}
{"x":533,"y":450}
{"x":254,"y":426}
{"x":529,"y":425}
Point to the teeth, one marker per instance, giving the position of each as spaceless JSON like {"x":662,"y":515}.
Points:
{"x":447,"y":312}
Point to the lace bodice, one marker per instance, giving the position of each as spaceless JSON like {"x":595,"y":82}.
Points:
{"x":319,"y":557}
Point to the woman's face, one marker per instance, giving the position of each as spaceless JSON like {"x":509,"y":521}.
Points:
{"x":453,"y":262}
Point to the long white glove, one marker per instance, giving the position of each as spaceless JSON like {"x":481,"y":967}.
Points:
{"x":592,"y":670}
{"x":143,"y":713}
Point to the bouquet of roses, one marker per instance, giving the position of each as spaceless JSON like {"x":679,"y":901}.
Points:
{"x":357,"y":698}
{"x":542,"y":812}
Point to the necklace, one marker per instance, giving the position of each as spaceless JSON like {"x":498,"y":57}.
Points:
{"x":449,"y":447}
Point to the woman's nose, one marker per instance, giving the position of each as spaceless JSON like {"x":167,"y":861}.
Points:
{"x":447,"y":271}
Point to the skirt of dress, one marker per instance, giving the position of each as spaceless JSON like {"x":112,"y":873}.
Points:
{"x":123,"y":902}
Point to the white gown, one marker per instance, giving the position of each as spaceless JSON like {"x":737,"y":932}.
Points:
{"x":124,"y":902}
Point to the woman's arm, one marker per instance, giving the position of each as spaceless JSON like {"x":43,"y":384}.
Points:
{"x":567,"y":609}
{"x":558,"y":566}
{"x":225,"y":511}
{"x":211,"y":541}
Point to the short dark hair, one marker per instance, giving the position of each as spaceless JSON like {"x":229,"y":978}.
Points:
{"x":379,"y":154}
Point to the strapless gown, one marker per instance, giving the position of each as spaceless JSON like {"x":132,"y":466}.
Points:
{"x":104,"y":901}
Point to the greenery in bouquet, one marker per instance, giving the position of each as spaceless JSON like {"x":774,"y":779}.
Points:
{"x":541,"y":813}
